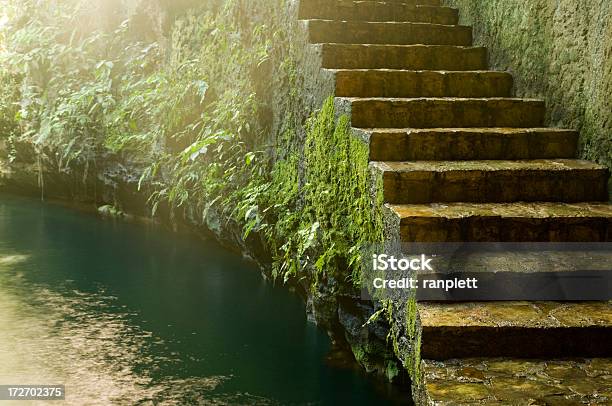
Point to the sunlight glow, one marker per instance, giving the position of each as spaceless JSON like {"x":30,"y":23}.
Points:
{"x":10,"y":260}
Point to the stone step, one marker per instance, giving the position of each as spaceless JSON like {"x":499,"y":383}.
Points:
{"x":515,"y":329}
{"x":510,"y":222}
{"x":561,"y":180}
{"x":389,"y":33}
{"x":494,"y":381}
{"x":412,"y":57}
{"x":458,"y":144}
{"x":406,"y":83}
{"x":349,"y":10}
{"x":442,"y":112}
{"x":415,"y":2}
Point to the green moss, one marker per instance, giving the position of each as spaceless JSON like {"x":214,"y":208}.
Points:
{"x":413,"y":358}
{"x":391,"y":371}
{"x":359,"y":353}
{"x":316,"y":210}
{"x":406,"y":326}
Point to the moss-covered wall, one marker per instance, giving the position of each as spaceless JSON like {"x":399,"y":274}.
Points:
{"x":559,"y":50}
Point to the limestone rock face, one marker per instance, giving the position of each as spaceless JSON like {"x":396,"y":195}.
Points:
{"x":559,"y":50}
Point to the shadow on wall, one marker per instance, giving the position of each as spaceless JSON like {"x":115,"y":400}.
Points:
{"x":558,"y":50}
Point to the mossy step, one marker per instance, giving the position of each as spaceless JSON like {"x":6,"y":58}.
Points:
{"x":391,"y":33}
{"x":349,"y":10}
{"x":412,"y":57}
{"x":540,"y":221}
{"x":494,"y":381}
{"x":561,"y":180}
{"x":443,"y":112}
{"x":406,"y":83}
{"x":439,"y":144}
{"x":515,"y":329}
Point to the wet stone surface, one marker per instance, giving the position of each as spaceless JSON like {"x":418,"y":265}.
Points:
{"x":519,"y":382}
{"x":524,"y":314}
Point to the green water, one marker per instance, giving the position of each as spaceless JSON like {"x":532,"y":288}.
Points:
{"x":127,"y":314}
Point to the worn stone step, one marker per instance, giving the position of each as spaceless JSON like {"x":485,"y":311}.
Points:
{"x":417,"y":2}
{"x":349,"y":10}
{"x":563,"y":180}
{"x":519,"y":381}
{"x":436,"y":3}
{"x":412,"y":57}
{"x":515,"y":329}
{"x":510,"y":222}
{"x":455,"y":144}
{"x":389,"y":33}
{"x":406,"y":83}
{"x":442,"y":112}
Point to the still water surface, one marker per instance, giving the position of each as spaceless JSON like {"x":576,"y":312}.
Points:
{"x":127,"y":314}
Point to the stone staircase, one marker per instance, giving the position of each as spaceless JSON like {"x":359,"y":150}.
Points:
{"x":463,"y":160}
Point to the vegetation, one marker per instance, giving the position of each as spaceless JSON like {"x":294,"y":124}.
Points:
{"x":324,"y":223}
{"x":191,"y":113}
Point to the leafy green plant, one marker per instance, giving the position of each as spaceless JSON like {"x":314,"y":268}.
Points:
{"x":189,"y":112}
{"x":323,"y":224}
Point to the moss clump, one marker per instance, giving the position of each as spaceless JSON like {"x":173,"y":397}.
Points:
{"x":391,"y":371}
{"x":316,"y":210}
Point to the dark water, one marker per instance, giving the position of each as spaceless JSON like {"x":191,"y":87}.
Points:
{"x":125,"y":314}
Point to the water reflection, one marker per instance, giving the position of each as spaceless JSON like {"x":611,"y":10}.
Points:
{"x":88,"y":342}
{"x":125,"y":315}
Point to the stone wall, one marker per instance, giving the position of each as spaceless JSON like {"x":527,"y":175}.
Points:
{"x":558,"y":50}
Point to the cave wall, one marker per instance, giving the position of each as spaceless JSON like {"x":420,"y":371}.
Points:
{"x":558,"y":50}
